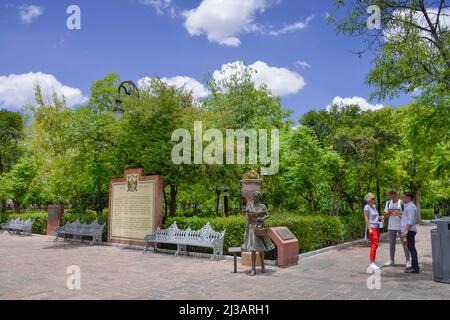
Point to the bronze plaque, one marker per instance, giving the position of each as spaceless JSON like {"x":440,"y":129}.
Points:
{"x":285,"y":234}
{"x":53,"y":214}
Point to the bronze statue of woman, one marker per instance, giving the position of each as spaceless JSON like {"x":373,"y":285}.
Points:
{"x":255,"y":240}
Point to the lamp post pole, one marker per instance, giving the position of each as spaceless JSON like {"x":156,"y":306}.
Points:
{"x":128,"y":88}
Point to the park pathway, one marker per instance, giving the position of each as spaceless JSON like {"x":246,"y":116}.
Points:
{"x":35,"y":268}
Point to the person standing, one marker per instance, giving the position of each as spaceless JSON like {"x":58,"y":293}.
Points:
{"x":437,"y":212}
{"x":374,"y":225}
{"x":409,"y":229}
{"x":394,"y":210}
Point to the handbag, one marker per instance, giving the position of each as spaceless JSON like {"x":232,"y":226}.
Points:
{"x":261,"y":231}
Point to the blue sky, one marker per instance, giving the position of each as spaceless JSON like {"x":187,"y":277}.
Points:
{"x":298,"y":52}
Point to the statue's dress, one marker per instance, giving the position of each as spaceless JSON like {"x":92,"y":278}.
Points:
{"x":252,"y":242}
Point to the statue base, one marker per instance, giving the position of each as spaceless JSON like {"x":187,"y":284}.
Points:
{"x":246,"y":259}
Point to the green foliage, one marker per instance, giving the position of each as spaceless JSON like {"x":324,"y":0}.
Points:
{"x":17,"y":184}
{"x":313,"y":232}
{"x":412,"y":51}
{"x":427,"y":214}
{"x":11,"y":134}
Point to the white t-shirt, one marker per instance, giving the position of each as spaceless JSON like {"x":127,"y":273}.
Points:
{"x":395,"y":223}
{"x":374,"y":217}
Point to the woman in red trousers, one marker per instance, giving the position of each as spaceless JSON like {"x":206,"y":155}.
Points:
{"x":374,"y":225}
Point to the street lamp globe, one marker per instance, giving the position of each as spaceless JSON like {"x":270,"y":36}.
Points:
{"x":118,"y":111}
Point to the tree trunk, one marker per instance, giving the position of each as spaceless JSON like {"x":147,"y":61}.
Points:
{"x":226,"y":209}
{"x":360,"y":197}
{"x":173,"y":200}
{"x":217,"y":201}
{"x":416,"y":190}
{"x":379,"y":196}
{"x":16,"y":207}
{"x":417,"y":201}
{"x":311,"y":203}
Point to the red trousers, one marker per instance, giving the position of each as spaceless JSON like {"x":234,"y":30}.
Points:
{"x":374,"y":239}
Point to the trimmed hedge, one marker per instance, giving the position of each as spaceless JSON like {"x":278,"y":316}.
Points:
{"x":313,"y":232}
{"x":427,"y":214}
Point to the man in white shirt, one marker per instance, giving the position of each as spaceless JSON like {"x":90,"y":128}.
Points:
{"x":409,"y":229}
{"x":394,"y":210}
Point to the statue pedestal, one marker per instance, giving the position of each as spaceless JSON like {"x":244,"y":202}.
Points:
{"x":287,"y":246}
{"x":246,"y":259}
{"x":55,"y":218}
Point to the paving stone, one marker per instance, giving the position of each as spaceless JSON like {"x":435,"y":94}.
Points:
{"x":35,"y":268}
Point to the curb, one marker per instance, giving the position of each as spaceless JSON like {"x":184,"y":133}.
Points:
{"x":327,"y":249}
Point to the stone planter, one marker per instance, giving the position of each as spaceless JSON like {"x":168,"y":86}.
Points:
{"x":246,"y":259}
{"x":249,"y":187}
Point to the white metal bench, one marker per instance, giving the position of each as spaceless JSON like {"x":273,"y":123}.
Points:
{"x":18,"y":226}
{"x":75,"y":231}
{"x":205,"y":237}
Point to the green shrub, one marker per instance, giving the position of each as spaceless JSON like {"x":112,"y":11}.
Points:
{"x":313,"y":232}
{"x":355,"y":226}
{"x":427,"y":214}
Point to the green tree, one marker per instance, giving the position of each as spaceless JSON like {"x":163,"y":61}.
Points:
{"x":306,"y":174}
{"x":11,"y":136}
{"x":19,"y":181}
{"x":412,"y":45}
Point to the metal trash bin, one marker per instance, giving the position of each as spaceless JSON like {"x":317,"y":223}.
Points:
{"x":440,"y":244}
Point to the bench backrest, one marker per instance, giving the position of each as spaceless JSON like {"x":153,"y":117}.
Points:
{"x":96,"y":228}
{"x":174,"y":233}
{"x":19,"y":223}
{"x":77,"y":228}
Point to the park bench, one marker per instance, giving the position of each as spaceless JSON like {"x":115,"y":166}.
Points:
{"x":18,"y":226}
{"x":75,"y":231}
{"x":205,"y":237}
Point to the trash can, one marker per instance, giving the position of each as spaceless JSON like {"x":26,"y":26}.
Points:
{"x":440,"y":244}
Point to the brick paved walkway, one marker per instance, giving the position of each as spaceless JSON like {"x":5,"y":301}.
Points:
{"x":35,"y":268}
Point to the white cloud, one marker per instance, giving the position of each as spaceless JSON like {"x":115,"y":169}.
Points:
{"x":303,"y":64}
{"x":419,"y":19}
{"x":355,"y":101}
{"x":190,"y":84}
{"x":29,"y":13}
{"x":160,"y":6}
{"x":293,"y":27}
{"x":18,"y":90}
{"x":224,"y":20}
{"x":281,"y":81}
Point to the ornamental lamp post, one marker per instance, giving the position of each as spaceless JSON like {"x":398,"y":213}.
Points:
{"x":118,"y":112}
{"x":128,"y":88}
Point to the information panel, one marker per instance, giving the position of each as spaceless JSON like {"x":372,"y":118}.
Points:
{"x":132,"y":211}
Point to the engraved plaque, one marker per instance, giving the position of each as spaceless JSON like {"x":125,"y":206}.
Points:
{"x":132,"y":211}
{"x":53,"y":214}
{"x":285,"y":234}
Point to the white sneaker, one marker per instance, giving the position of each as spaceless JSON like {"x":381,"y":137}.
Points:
{"x":372,"y":267}
{"x":408,"y":264}
{"x":390,"y":263}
